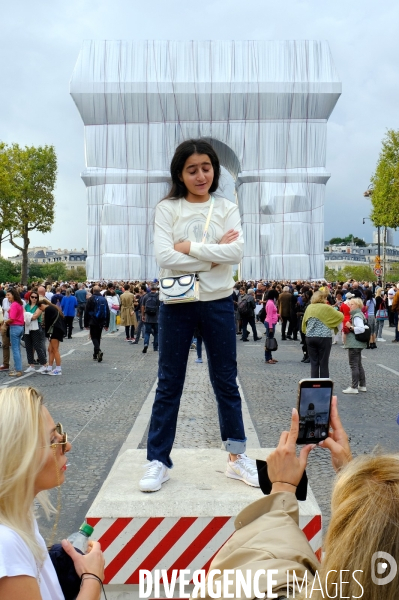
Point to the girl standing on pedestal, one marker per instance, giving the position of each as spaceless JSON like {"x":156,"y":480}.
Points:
{"x":180,"y":228}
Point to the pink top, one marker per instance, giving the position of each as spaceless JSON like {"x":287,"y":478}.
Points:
{"x":16,"y":313}
{"x":271,"y":313}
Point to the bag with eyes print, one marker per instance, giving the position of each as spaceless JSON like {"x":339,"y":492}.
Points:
{"x":182,"y":288}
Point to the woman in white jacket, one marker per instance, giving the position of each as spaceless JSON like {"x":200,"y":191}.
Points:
{"x":113,"y":301}
{"x":180,"y":220}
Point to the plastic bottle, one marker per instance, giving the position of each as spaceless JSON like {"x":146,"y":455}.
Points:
{"x":80,"y":539}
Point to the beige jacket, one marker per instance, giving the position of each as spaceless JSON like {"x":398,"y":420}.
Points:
{"x":268,"y":537}
{"x":127,"y":308}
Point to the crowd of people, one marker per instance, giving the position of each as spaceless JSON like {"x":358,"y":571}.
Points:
{"x":316,"y":314}
{"x":33,"y":313}
{"x":319,"y":315}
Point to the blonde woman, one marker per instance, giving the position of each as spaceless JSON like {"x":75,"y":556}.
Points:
{"x":49,"y":294}
{"x":355,"y":347}
{"x":33,"y":460}
{"x":364,"y":521}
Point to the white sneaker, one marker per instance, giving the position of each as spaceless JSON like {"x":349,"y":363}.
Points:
{"x":56,"y":371}
{"x":244,"y":469}
{"x":155,"y":475}
{"x":30,"y":370}
{"x":198,"y":360}
{"x":333,"y":343}
{"x":362,"y":388}
{"x":46,"y":370}
{"x":381,"y":340}
{"x":43,"y":369}
{"x":350,"y":390}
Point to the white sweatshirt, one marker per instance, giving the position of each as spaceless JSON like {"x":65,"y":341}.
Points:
{"x":180,"y":221}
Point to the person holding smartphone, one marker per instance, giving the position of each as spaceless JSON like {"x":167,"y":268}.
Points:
{"x":364,"y":514}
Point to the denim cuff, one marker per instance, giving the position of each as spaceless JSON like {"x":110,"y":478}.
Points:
{"x":235,"y":446}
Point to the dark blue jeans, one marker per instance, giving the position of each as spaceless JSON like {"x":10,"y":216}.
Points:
{"x":199,"y":346}
{"x":177,"y":322}
{"x":151,"y":328}
{"x":270,"y":334}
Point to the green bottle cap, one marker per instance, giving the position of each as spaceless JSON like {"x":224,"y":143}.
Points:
{"x":87,"y":529}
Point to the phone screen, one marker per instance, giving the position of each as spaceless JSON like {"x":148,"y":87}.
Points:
{"x":314,"y":410}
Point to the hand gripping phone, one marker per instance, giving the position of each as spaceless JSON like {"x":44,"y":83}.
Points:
{"x":314,"y":404}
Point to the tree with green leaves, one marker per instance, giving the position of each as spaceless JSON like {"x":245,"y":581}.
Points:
{"x":50,"y":271}
{"x":5,"y":191}
{"x":330,"y":274}
{"x":27,"y":181}
{"x":8,"y":271}
{"x":385,"y":183}
{"x":77,"y":274}
{"x":349,"y":239}
{"x":358,"y":272}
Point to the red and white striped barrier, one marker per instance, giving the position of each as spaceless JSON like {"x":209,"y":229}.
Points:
{"x":131,"y":544}
{"x":182,"y":526}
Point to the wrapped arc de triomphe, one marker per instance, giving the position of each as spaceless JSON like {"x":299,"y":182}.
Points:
{"x":263,"y":105}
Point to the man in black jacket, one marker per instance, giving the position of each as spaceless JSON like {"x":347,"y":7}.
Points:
{"x":97,"y":319}
{"x":149,"y":316}
{"x":248,"y":318}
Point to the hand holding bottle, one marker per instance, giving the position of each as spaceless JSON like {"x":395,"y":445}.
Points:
{"x":92,"y":562}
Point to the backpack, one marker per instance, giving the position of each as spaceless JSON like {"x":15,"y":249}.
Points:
{"x":151,"y":305}
{"x":242,"y":306}
{"x":100,"y":311}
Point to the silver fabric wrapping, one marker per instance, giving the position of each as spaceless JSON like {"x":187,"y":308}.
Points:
{"x":263,"y":105}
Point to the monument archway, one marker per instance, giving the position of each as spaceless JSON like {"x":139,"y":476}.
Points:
{"x":264,"y":106}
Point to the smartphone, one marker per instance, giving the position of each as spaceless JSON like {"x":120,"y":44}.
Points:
{"x":314,"y":405}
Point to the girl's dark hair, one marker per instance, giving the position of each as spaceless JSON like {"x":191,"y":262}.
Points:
{"x":369,"y":295}
{"x":272,"y":295}
{"x":182,"y":153}
{"x":15,"y":294}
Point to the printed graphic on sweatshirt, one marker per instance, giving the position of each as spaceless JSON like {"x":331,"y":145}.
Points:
{"x":194,"y":230}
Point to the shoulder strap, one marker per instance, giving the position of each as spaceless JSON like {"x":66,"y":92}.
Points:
{"x":56,"y":319}
{"x":208,"y":220}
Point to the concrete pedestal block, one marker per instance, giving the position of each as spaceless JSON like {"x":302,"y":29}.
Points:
{"x":183,"y":525}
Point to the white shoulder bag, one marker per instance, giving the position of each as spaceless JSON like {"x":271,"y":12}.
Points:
{"x":183,"y":288}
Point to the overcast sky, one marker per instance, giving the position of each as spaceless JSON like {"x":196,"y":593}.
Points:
{"x":40,"y":42}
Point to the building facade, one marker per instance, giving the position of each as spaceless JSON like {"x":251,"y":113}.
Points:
{"x":338,"y":257}
{"x":46,"y":254}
